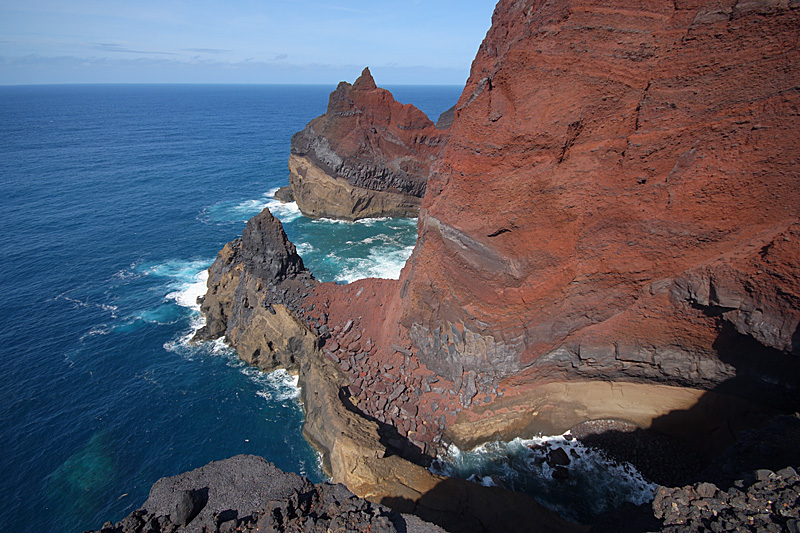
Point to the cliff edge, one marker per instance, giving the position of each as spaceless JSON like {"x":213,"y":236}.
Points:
{"x":610,"y":234}
{"x":367,"y":156}
{"x":618,"y":203}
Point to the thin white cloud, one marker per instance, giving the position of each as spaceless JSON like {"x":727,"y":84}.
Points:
{"x":112,"y":47}
{"x":207,"y":50}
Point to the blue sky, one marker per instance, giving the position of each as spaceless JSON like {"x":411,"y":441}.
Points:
{"x":241,"y":41}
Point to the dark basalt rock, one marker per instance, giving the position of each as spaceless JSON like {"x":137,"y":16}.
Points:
{"x":188,"y":505}
{"x":247,"y":493}
{"x":446,"y":119}
{"x":266,"y":251}
{"x":262,"y":266}
{"x":284,"y":194}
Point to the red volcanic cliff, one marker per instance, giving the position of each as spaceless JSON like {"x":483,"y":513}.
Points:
{"x":612,"y":231}
{"x":367,"y":156}
{"x":619,"y":198}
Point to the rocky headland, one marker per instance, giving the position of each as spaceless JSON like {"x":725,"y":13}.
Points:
{"x":367,"y":156}
{"x":247,"y":493}
{"x":610,"y":238}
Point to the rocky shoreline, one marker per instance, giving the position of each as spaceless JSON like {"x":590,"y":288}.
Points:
{"x":260,"y":296}
{"x":608,"y":242}
{"x":367,"y":156}
{"x":247,"y":493}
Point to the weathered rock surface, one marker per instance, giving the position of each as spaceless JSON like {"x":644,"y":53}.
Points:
{"x":253,"y":287}
{"x":619,"y":199}
{"x":754,"y":486}
{"x":284,"y":194}
{"x":258,"y":296}
{"x":611,"y":232}
{"x":247,"y":493}
{"x":367,"y":156}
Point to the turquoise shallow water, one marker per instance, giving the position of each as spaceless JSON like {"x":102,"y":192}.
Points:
{"x":114,"y":201}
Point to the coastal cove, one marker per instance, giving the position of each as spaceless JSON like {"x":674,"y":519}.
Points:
{"x":117,"y":200}
{"x":578,"y":267}
{"x":589,"y":321}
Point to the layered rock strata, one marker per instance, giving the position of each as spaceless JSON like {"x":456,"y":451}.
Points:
{"x":618,"y":201}
{"x":610,"y":233}
{"x":262,"y":300}
{"x":367,"y":156}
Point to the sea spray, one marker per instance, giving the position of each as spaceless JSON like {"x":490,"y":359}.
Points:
{"x":119,"y":196}
{"x":588,"y":485}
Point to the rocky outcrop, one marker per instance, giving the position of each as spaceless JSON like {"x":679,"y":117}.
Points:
{"x":253,"y":288}
{"x":769,"y":503}
{"x":610,"y":233}
{"x":754,"y":486}
{"x":446,"y":119}
{"x":618,"y":200}
{"x":261,"y":298}
{"x":284,"y":194}
{"x":247,"y":493}
{"x":367,"y":156}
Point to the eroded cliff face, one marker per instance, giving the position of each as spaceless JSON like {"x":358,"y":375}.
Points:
{"x":612,"y":231}
{"x":267,"y":305}
{"x":253,"y":289}
{"x":367,"y":156}
{"x":619,"y":199}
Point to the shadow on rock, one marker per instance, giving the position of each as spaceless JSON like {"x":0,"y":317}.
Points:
{"x":394,"y":442}
{"x":462,"y":506}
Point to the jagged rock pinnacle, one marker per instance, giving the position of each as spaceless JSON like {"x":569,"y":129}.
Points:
{"x":365,"y":82}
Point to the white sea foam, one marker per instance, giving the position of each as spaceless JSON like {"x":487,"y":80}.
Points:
{"x":277,"y":386}
{"x":178,"y":270}
{"x":111,"y":309}
{"x":284,"y":212}
{"x":599,"y":482}
{"x":383,"y":262}
{"x":304,"y":248}
{"x":363,"y":221}
{"x":244,"y":210}
{"x":189,"y":291}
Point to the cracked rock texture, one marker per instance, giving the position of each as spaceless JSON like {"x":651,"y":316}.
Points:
{"x":619,"y":199}
{"x":247,"y":493}
{"x":253,"y":287}
{"x":367,"y":156}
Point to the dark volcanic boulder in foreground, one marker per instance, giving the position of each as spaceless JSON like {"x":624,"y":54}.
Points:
{"x":367,"y":156}
{"x":753,"y":486}
{"x":247,"y":493}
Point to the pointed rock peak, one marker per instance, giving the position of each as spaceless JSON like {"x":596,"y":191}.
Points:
{"x":365,"y":81}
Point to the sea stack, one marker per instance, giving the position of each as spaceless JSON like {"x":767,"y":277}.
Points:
{"x":610,"y":236}
{"x":367,"y":156}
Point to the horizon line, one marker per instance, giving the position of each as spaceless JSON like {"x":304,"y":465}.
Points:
{"x":45,"y":84}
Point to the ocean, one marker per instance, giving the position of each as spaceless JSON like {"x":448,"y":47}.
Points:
{"x":115,"y":199}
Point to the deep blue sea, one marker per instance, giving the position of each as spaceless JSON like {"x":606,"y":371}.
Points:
{"x":113,"y":201}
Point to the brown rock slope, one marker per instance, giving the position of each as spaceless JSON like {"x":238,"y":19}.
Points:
{"x":611,"y":232}
{"x":367,"y":156}
{"x":260,"y":298}
{"x":618,"y":200}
